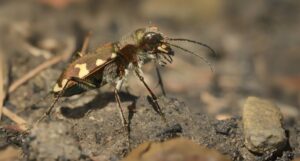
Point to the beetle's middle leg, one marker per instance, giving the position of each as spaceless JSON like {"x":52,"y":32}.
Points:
{"x":117,"y":97}
{"x":124,"y":122}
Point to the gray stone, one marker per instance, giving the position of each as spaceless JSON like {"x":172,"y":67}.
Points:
{"x":262,"y":121}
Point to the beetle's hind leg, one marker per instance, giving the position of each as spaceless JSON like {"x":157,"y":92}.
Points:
{"x":83,"y":83}
{"x":47,"y":113}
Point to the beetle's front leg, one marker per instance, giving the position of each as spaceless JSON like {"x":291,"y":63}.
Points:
{"x":160,"y":81}
{"x":153,"y":96}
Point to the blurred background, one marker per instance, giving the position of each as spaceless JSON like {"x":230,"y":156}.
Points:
{"x":257,"y":45}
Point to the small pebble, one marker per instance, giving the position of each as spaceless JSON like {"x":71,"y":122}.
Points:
{"x":221,"y":117}
{"x":262,"y":121}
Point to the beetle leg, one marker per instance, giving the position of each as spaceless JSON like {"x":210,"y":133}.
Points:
{"x":118,"y":100}
{"x":160,"y":81}
{"x":153,"y":96}
{"x":79,"y":81}
{"x":85,"y":84}
{"x":124,"y":122}
{"x":47,"y":113}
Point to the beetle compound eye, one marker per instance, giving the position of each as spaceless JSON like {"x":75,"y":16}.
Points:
{"x":149,"y":35}
{"x":152,"y":38}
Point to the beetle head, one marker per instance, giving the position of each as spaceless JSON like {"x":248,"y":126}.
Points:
{"x":153,"y":43}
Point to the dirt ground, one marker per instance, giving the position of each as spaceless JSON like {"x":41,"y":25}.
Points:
{"x":257,"y":47}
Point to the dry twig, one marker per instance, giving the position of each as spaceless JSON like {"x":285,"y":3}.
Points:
{"x":42,"y":67}
{"x":86,"y":42}
{"x":2,"y":79}
{"x":36,"y":51}
{"x":36,"y":70}
{"x":15,"y":118}
{"x":20,"y":121}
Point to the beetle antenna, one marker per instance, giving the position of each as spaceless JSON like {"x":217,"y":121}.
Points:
{"x":195,"y":42}
{"x":190,"y":52}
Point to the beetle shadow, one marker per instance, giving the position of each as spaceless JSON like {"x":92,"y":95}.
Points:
{"x":99,"y":102}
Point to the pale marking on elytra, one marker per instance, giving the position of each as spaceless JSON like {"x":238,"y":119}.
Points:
{"x":58,"y":88}
{"x":113,"y":55}
{"x":99,"y":62}
{"x":83,"y":71}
